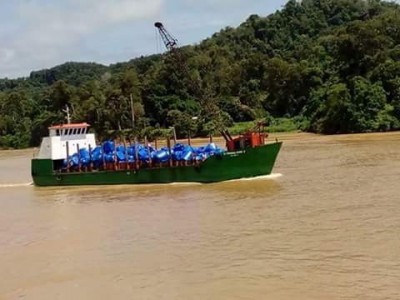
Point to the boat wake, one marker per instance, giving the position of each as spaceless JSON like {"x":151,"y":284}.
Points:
{"x":13,"y":185}
{"x":264,"y":177}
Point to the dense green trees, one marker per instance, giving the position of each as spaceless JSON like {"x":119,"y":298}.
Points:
{"x":333,"y":66}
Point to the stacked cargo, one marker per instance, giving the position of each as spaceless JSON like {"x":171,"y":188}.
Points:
{"x":110,"y":153}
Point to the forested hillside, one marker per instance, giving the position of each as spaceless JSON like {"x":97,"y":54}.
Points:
{"x":332,"y":66}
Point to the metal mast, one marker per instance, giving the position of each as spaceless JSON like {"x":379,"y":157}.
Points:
{"x":68,"y":116}
{"x":194,"y":87}
{"x":169,"y":41}
{"x":175,"y":53}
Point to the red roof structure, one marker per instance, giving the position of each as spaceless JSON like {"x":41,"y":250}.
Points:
{"x":69,"y":126}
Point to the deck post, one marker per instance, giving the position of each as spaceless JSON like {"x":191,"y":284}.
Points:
{"x":103,"y":158}
{"x":126,"y":155}
{"x":67,"y":146}
{"x":169,"y":151}
{"x":148,"y":149}
{"x":90,"y":157}
{"x":115,"y":155}
{"x":136,"y":155}
{"x":79,"y":157}
{"x":174,"y":132}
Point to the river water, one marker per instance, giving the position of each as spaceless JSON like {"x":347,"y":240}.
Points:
{"x":326,"y":225}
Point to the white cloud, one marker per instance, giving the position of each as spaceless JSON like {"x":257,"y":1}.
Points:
{"x":49,"y":34}
{"x":37,"y":34}
{"x":6,"y":55}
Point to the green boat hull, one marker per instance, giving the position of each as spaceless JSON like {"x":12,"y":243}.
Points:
{"x":251,"y":162}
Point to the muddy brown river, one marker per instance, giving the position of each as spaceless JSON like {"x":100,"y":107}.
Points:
{"x":326,"y":225}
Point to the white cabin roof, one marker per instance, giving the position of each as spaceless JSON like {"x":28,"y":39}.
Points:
{"x":71,"y":130}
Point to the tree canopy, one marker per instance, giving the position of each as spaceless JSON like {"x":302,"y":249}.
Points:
{"x":333,"y":63}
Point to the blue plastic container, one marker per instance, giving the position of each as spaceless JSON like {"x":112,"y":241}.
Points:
{"x":109,"y":158}
{"x":121,"y":156}
{"x":162,"y":156}
{"x":108,"y":147}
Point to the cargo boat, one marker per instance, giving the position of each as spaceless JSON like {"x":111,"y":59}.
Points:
{"x":246,"y":156}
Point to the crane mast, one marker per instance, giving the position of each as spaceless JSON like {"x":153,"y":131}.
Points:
{"x":169,"y":41}
{"x":171,"y":44}
{"x":176,"y":54}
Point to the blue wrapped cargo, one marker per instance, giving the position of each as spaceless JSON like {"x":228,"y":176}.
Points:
{"x":121,"y":156}
{"x":108,"y":147}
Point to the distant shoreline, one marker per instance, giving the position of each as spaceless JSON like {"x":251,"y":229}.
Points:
{"x":281,"y":136}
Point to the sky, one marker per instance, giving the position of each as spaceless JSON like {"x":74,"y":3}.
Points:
{"x":39,"y":34}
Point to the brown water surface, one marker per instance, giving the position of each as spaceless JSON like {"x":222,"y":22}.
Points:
{"x":327,"y":228}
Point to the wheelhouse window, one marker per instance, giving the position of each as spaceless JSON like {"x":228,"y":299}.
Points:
{"x":68,"y":131}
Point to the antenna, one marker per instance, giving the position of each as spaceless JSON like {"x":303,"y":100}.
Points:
{"x":68,"y":117}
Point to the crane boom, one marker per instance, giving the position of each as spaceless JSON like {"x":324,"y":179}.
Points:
{"x":208,"y":108}
{"x":169,"y":41}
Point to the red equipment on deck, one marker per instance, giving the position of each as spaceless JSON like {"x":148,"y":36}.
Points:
{"x":250,"y":139}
